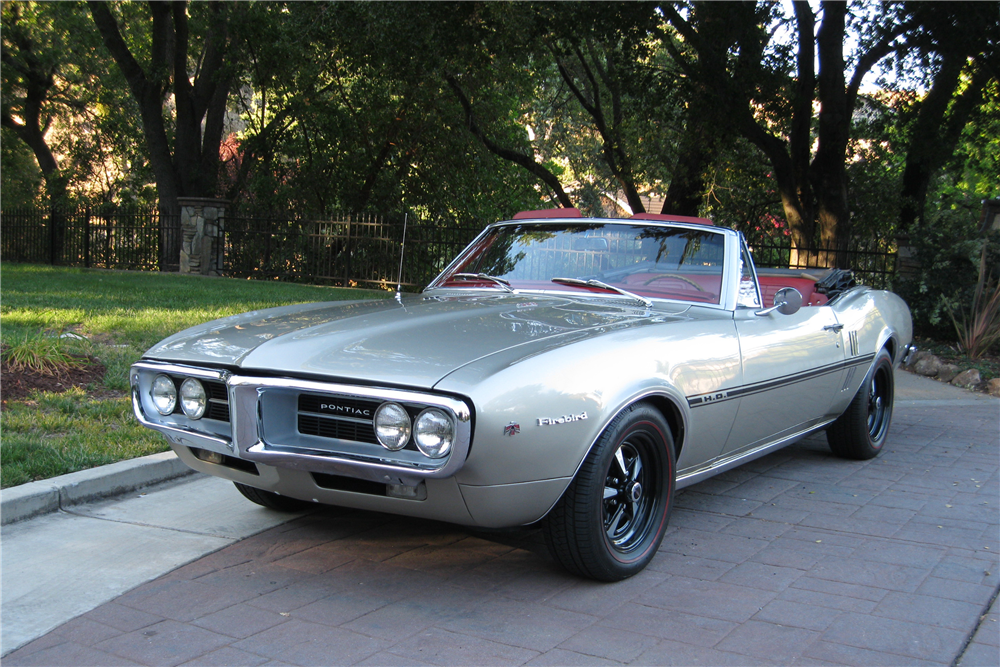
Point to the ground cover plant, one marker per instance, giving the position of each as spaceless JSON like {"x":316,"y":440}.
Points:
{"x":68,"y":338}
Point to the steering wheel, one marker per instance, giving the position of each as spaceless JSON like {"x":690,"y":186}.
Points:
{"x":674,"y":276}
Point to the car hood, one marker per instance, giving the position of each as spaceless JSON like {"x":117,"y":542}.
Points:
{"x":414,"y":343}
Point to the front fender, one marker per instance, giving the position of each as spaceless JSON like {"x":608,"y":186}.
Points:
{"x":537,"y":418}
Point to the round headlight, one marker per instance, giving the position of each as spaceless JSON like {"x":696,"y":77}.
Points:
{"x":392,"y":426}
{"x":193,"y":398}
{"x":164,"y":394}
{"x":434,"y":433}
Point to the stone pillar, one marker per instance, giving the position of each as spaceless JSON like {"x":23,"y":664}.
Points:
{"x":202,"y":224}
{"x":907,"y":264}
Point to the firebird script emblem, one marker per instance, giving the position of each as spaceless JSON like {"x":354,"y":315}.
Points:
{"x":512,"y":429}
{"x":565,"y":419}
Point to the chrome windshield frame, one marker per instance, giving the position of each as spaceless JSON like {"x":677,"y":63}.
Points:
{"x":729,"y":286}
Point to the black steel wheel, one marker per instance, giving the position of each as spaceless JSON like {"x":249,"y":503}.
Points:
{"x":611,"y":520}
{"x":271,"y":500}
{"x":860,"y":432}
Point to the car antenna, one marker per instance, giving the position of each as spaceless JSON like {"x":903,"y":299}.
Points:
{"x":402,"y":247}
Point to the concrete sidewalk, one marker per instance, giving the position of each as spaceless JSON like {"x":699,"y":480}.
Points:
{"x":794,"y":558}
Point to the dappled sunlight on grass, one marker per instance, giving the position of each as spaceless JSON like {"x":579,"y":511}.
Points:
{"x":121,"y":315}
{"x":55,"y":434}
{"x":140,"y":308}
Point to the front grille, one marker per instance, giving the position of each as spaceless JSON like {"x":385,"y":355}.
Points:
{"x":331,"y":427}
{"x":218,"y":400}
{"x":338,"y":417}
{"x":338,"y":406}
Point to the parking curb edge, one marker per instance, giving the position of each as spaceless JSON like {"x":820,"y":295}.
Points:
{"x":29,"y":500}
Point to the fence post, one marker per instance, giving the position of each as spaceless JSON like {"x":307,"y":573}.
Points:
{"x":52,"y":235}
{"x":86,"y":237}
{"x":349,"y":250}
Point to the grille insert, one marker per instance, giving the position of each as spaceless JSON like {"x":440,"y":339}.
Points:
{"x":344,"y":418}
{"x":337,"y":417}
{"x":331,"y":427}
{"x":218,"y":400}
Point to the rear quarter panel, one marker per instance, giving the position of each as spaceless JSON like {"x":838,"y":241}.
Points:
{"x":874,"y":319}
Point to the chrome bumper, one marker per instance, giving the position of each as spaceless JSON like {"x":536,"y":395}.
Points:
{"x":254,"y":401}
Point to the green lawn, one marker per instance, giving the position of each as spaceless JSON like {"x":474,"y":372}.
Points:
{"x":120,"y":315}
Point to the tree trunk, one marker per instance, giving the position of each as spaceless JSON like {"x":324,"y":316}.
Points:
{"x":934,"y":137}
{"x":698,"y":150}
{"x":191,"y":168}
{"x":828,"y":171}
{"x":38,"y":80}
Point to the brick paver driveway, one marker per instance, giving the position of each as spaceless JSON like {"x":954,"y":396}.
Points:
{"x":797,"y":558}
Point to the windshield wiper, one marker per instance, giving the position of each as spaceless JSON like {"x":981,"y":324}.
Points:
{"x":597,"y":283}
{"x":483,"y":277}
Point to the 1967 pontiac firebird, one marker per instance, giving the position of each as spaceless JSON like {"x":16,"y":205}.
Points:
{"x":564,"y":370}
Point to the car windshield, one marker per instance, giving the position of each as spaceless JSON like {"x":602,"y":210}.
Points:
{"x":652,"y":261}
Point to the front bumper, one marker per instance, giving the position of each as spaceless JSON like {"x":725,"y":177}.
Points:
{"x":263,"y":426}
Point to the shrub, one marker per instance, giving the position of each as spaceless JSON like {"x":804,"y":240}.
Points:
{"x":949,"y":252}
{"x":979,"y":328}
{"x":41,"y":354}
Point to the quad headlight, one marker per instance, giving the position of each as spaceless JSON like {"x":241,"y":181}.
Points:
{"x":194,"y":400}
{"x":164,"y":394}
{"x":392,"y":426}
{"x":434,"y":433}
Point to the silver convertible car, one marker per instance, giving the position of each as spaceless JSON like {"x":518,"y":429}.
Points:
{"x":564,"y":370}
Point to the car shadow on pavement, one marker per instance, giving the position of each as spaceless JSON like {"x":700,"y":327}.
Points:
{"x":795,"y":557}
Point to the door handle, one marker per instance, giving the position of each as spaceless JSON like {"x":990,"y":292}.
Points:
{"x":835,"y":328}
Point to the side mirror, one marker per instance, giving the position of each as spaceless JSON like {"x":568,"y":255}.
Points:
{"x":787,"y":301}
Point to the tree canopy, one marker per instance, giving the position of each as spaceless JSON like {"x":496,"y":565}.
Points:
{"x":816,"y":119}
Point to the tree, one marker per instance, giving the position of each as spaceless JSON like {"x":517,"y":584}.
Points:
{"x":964,"y":40}
{"x":32,"y":59}
{"x":367,"y":119}
{"x":595,"y":98}
{"x":53,"y":106}
{"x":190,"y":166}
{"x":771,"y":97}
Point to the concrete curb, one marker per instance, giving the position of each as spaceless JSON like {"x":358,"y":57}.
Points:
{"x":29,"y":500}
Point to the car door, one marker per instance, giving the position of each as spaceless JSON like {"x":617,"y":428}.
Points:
{"x":793,"y":367}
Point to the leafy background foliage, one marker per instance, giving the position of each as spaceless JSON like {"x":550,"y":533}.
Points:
{"x":359,"y":107}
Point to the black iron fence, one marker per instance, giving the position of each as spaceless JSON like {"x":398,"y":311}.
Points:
{"x":873,"y":261}
{"x":344,"y":250}
{"x":108,"y":238}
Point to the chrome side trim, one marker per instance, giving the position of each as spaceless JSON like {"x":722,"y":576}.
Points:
{"x":739,"y":458}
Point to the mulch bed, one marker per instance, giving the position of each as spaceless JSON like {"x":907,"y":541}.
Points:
{"x":17,"y":385}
